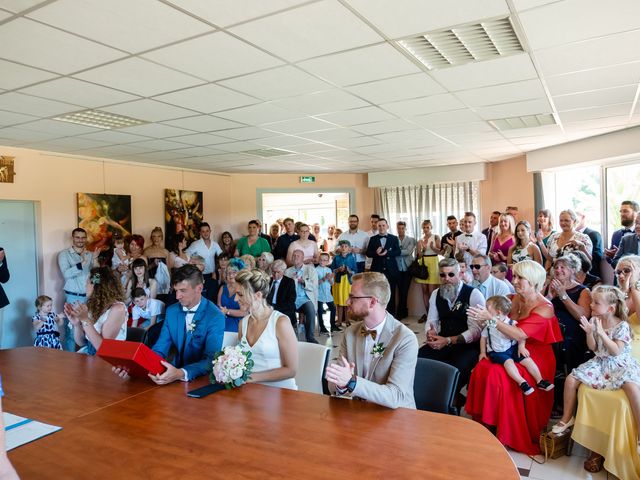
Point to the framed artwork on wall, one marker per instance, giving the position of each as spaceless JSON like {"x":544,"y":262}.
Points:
{"x":182,"y":213}
{"x":7,"y":171}
{"x":102,"y":215}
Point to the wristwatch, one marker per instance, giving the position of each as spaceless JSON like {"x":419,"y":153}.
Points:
{"x":351,"y":386}
{"x":492,"y":322}
{"x":564,"y":297}
{"x":448,"y":341}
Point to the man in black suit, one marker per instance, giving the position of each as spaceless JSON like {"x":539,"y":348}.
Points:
{"x":4,"y":278}
{"x":490,"y":231}
{"x":282,"y":294}
{"x":597,"y":254}
{"x":628,"y":244}
{"x":383,"y":249}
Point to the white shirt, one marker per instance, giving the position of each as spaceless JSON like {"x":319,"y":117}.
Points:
{"x":369,"y":342}
{"x":358,"y":240}
{"x":497,"y":341}
{"x":492,"y":286}
{"x":154,"y":308}
{"x":187,"y":321}
{"x":473,"y":329}
{"x":476,"y":241}
{"x":208,"y":253}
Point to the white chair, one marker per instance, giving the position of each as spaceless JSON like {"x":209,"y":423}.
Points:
{"x":230,"y":339}
{"x":312,"y":360}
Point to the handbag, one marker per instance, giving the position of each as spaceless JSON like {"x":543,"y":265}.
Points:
{"x":555,"y":446}
{"x":419,"y":269}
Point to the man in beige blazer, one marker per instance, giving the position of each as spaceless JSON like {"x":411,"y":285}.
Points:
{"x":378,"y":354}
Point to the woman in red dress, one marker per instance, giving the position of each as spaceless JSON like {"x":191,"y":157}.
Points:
{"x":496,"y":400}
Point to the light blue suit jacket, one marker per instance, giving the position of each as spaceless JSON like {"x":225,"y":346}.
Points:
{"x":195,"y":350}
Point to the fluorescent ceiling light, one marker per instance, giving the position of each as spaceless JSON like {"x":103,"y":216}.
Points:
{"x":99,"y":119}
{"x":527,"y":121}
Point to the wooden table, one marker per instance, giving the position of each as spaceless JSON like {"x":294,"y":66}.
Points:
{"x":116,"y":428}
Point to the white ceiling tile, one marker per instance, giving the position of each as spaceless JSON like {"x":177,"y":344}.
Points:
{"x":200,"y":139}
{"x":595,"y":113}
{"x":157,"y":156}
{"x":308,"y":31}
{"x":330,"y":135}
{"x":129,"y":149}
{"x":316,"y":147}
{"x":356,"y":116}
{"x":16,"y":76}
{"x":282,"y":141}
{"x":515,"y":109}
{"x":12,"y":118}
{"x":595,"y":98}
{"x":237,"y":147}
{"x":419,"y":106}
{"x":410,"y":138}
{"x":114,"y":136}
{"x":471,"y":127}
{"x":30,"y":136}
{"x":78,"y":92}
{"x":19,"y":103}
{"x":615,"y":76}
{"x":574,"y":20}
{"x":497,"y":94}
{"x":56,"y":127}
{"x":159,"y":144}
{"x":361,"y":65}
{"x":276,"y":83}
{"x":214,"y":56}
{"x":399,"y":88}
{"x":393,"y":125}
{"x":409,"y":17}
{"x":454,"y":117}
{"x":245,"y":133}
{"x":522,"y":5}
{"x":521,"y":133}
{"x":149,"y":110}
{"x":139,"y":76}
{"x":321,"y":102}
{"x":203,"y":123}
{"x":17,"y":6}
{"x":208,"y":98}
{"x":299,"y":125}
{"x":258,"y":114}
{"x":38,"y":45}
{"x":130,"y":26}
{"x":155,"y":130}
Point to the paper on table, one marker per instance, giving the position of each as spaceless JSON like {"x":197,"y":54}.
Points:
{"x":20,"y":430}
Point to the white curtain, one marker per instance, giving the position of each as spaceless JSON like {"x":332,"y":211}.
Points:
{"x":415,"y":203}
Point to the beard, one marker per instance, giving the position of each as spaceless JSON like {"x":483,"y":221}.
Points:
{"x":449,"y":291}
{"x":627,"y":222}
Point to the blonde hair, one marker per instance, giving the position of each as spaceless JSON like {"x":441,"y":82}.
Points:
{"x":632,"y":259}
{"x":254,"y":281}
{"x":532,"y":272}
{"x":511,"y":220}
{"x":613,"y":296}
{"x":249,"y":261}
{"x":374,"y":284}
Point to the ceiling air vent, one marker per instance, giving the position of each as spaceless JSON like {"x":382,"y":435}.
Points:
{"x":528,"y":121}
{"x":99,"y":119}
{"x":464,"y":44}
{"x":268,"y":152}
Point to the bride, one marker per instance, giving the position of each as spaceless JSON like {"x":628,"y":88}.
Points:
{"x":267,"y":333}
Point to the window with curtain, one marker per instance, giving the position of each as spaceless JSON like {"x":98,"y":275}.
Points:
{"x":415,"y":203}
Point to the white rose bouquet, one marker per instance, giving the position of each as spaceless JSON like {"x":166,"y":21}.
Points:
{"x":232,"y":366}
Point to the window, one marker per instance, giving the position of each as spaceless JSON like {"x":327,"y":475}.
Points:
{"x":623,"y":183}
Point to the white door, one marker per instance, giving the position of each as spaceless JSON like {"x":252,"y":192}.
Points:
{"x":18,"y":238}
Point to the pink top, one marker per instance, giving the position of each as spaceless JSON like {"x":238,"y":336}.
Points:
{"x":496,"y":246}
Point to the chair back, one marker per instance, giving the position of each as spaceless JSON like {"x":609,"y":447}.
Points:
{"x":153,"y":333}
{"x":135,"y":334}
{"x":434,"y":386}
{"x":312,"y":361}
{"x":230,"y":339}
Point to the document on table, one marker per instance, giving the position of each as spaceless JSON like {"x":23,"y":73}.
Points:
{"x":20,"y":430}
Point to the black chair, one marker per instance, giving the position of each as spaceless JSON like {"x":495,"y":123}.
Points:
{"x":153,"y":333}
{"x":434,"y":386}
{"x":135,"y":334}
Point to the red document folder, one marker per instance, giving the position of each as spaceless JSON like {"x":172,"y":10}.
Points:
{"x":134,"y":357}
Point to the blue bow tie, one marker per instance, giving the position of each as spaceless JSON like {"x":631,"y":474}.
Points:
{"x":187,"y":311}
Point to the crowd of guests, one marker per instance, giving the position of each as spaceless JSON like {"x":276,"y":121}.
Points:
{"x":522,"y":312}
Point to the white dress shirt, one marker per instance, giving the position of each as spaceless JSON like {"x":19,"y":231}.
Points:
{"x":473,"y":329}
{"x":369,"y":342}
{"x":208,"y":253}
{"x":475,"y":241}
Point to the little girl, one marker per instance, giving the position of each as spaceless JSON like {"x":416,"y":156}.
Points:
{"x":503,"y":350}
{"x":120,"y":259}
{"x":46,"y":324}
{"x":613,"y":367}
{"x":325,"y":280}
{"x":343,"y":266}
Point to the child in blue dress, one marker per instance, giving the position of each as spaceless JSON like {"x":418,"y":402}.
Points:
{"x":325,"y":280}
{"x":46,"y":323}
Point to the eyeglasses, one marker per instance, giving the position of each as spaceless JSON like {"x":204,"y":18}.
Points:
{"x":626,"y":271}
{"x":450,"y":275}
{"x":476,"y":267}
{"x":355,"y":297}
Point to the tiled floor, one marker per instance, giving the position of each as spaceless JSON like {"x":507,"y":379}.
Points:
{"x":563,"y":468}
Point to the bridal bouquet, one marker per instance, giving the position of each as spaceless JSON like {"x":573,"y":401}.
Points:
{"x":231,"y":367}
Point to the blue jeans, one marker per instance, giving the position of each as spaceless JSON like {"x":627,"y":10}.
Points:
{"x":69,"y":344}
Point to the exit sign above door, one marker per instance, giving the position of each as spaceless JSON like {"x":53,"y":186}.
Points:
{"x":307,"y":179}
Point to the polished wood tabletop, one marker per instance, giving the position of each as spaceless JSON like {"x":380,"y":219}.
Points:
{"x":133,"y":429}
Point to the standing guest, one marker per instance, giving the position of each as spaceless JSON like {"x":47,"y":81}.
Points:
{"x":325,"y":281}
{"x":156,"y":252}
{"x":264,"y":261}
{"x":513,"y":211}
{"x":357,"y":239}
{"x":4,"y":278}
{"x":344,"y":267}
{"x":226,"y":244}
{"x":178,"y":255}
{"x":407,"y":249}
{"x":322,"y":243}
{"x":499,"y":271}
{"x":261,"y":233}
{"x":499,"y":250}
{"x":286,"y":239}
{"x":629,"y":244}
{"x":332,"y":239}
{"x":75,"y":263}
{"x":282,"y":294}
{"x":306,"y":280}
{"x":46,"y":323}
{"x":492,"y":230}
{"x":306,"y":245}
{"x":567,"y":240}
{"x":493,"y":398}
{"x":427,"y":250}
{"x":103,"y":316}
{"x":7,"y":472}
{"x":452,"y":335}
{"x":628,"y":211}
{"x":524,"y":248}
{"x":597,"y":253}
{"x":544,"y":232}
{"x":383,"y":249}
{"x":338,"y":232}
{"x":370,"y":233}
{"x":207,"y":249}
{"x":145,"y":311}
{"x":120,"y":260}
{"x":227,"y":302}
{"x":378,"y":354}
{"x":252,"y":244}
{"x":449,"y":238}
{"x":487,"y":284}
{"x":274,"y":233}
{"x":470,"y":242}
{"x":266,"y":333}
{"x":139,"y":278}
{"x":135,"y":244}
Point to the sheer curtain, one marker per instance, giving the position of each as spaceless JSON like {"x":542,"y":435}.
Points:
{"x":415,"y":203}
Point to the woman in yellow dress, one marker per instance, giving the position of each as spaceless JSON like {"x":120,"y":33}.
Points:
{"x":427,"y":251}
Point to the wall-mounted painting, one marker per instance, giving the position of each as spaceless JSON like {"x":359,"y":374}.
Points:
{"x":6,"y":169}
{"x":103,"y":215}
{"x":182,"y":213}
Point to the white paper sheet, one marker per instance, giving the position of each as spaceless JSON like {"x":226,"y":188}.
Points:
{"x":20,"y":430}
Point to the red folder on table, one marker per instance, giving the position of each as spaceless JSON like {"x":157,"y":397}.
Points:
{"x":134,"y":357}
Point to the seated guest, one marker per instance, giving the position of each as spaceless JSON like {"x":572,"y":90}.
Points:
{"x":452,"y":335}
{"x":249,"y":261}
{"x":282,"y":294}
{"x":308,"y":247}
{"x":583,"y":277}
{"x":145,"y":311}
{"x":524,"y":248}
{"x":493,"y":398}
{"x":266,"y":333}
{"x":226,"y":297}
{"x":306,"y":282}
{"x":499,"y":270}
{"x":377,"y":358}
{"x":139,"y":278}
{"x":253,"y":244}
{"x":264,"y":261}
{"x":103,"y":316}
{"x":488,"y":285}
{"x":226,"y":244}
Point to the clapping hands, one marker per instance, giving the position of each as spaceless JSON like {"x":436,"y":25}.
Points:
{"x":76,"y":312}
{"x":589,"y":326}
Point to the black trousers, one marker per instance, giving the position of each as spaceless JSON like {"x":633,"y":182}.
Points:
{"x":332,"y":315}
{"x":463,"y":357}
{"x":309,"y":321}
{"x":404,"y":283}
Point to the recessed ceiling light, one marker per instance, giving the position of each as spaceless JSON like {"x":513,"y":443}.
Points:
{"x":99,"y":119}
{"x":527,"y":121}
{"x":464,"y":44}
{"x":268,"y":152}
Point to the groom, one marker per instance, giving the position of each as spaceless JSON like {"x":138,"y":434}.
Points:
{"x":378,"y":354}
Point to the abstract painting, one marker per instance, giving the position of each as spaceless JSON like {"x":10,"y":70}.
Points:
{"x":103,"y":215}
{"x":182,"y":213}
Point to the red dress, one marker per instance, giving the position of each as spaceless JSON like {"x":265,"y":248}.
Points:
{"x":495,"y":399}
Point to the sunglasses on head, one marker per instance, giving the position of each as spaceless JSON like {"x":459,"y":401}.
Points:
{"x":626,"y":271}
{"x":476,"y":267}
{"x":450,"y":274}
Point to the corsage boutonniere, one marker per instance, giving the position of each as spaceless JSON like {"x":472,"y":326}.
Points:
{"x":457,"y":306}
{"x":191,"y":326}
{"x":378,"y":350}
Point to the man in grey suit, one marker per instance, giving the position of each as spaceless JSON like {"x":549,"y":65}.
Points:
{"x":378,"y":354}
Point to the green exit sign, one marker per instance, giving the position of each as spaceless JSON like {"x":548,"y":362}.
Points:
{"x":307,"y":179}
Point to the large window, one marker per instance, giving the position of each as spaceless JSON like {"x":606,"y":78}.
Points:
{"x":623,"y":183}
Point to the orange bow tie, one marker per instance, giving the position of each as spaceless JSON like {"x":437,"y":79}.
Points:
{"x":365,"y":331}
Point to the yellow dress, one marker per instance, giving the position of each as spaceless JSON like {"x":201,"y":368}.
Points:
{"x":605,"y":423}
{"x":430,"y":258}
